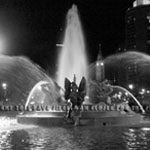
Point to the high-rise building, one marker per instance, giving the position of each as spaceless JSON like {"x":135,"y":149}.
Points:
{"x":138,"y":27}
{"x":131,"y":74}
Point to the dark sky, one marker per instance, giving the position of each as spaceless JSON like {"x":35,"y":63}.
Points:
{"x":32,"y":28}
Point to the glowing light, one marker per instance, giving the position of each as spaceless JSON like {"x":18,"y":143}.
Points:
{"x":126,"y":94}
{"x":145,"y":129}
{"x":86,"y":97}
{"x":4,"y":85}
{"x":32,"y":103}
{"x":146,"y":2}
{"x":135,"y":3}
{"x":131,"y":130}
{"x":141,"y":2}
{"x":131,"y":86}
{"x":143,"y":90}
{"x":60,"y":45}
{"x":40,"y":88}
{"x":120,"y":93}
{"x":86,"y":100}
{"x":97,"y":64}
{"x":102,"y":64}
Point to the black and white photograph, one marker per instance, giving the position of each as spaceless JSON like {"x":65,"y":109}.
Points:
{"x":74,"y":74}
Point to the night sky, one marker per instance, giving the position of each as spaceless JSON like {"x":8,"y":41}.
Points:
{"x":32,"y":28}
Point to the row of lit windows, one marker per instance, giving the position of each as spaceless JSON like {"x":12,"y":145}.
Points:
{"x":130,"y":26}
{"x":132,"y":19}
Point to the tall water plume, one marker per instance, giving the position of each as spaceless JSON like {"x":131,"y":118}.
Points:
{"x":72,"y":59}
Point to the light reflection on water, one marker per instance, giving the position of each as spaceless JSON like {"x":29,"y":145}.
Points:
{"x":84,"y":138}
{"x":5,"y":140}
{"x":137,"y":138}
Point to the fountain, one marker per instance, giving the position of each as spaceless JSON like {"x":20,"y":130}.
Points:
{"x":17,"y":77}
{"x":72,"y":60}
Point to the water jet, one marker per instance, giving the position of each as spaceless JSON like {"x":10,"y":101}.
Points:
{"x":73,"y":60}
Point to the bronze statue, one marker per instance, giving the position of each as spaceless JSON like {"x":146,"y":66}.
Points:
{"x":75,"y":94}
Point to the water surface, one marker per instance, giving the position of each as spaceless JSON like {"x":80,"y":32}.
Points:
{"x":22,"y":137}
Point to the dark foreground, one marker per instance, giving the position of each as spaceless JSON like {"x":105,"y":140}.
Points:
{"x":87,"y":118}
{"x":17,"y":137}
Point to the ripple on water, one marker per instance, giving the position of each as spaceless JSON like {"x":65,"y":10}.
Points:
{"x":82,"y":138}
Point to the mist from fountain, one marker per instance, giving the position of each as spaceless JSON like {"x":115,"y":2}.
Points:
{"x":38,"y":85}
{"x":134,"y":98}
{"x":23,"y":82}
{"x":10,"y":124}
{"x":101,"y":90}
{"x":43,"y":93}
{"x":19,"y":74}
{"x":72,"y":59}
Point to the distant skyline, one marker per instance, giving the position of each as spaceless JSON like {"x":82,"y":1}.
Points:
{"x":33,"y":28}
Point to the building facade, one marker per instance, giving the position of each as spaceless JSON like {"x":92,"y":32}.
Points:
{"x":138,"y":27}
{"x":132,"y":74}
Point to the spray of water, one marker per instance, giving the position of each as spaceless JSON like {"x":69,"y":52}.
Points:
{"x":134,"y":98}
{"x":72,"y":59}
{"x":10,"y":124}
{"x":19,"y":74}
{"x":31,"y":93}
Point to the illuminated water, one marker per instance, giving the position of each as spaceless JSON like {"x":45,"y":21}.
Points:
{"x":43,"y":93}
{"x":72,"y":58}
{"x":24,"y":137}
{"x":20,"y":74}
{"x":132,"y":58}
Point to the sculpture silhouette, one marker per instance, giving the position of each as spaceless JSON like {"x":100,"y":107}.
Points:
{"x":74,"y":95}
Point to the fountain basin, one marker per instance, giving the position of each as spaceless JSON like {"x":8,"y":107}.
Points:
{"x":88,"y":118}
